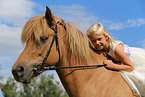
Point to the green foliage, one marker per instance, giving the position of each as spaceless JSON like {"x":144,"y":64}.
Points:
{"x":44,"y":86}
{"x":9,"y":89}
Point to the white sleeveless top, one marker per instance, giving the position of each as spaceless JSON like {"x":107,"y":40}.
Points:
{"x":112,"y":49}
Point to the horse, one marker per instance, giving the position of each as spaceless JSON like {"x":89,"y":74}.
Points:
{"x":52,"y":42}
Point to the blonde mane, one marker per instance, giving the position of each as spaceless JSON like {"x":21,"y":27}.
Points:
{"x":77,"y":40}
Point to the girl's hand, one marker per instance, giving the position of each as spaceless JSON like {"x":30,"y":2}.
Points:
{"x":109,"y":64}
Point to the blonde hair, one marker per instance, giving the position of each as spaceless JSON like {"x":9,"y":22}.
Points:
{"x":100,"y":29}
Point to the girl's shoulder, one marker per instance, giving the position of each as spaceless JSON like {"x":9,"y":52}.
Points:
{"x":115,"y":43}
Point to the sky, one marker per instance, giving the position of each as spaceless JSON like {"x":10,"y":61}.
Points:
{"x":124,"y":19}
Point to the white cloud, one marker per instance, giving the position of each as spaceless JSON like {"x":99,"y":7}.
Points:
{"x":15,"y":12}
{"x":9,"y":32}
{"x":10,"y":47}
{"x":116,"y":26}
{"x":127,"y":24}
{"x":10,"y":42}
{"x":137,"y":22}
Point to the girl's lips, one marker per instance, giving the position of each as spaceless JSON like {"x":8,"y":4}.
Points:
{"x":99,"y":47}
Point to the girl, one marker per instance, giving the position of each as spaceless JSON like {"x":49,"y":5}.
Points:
{"x":132,"y":59}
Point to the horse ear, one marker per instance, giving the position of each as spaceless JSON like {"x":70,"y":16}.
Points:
{"x":49,"y":16}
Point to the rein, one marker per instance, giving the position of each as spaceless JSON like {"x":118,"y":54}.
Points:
{"x":40,"y":68}
{"x":83,"y":67}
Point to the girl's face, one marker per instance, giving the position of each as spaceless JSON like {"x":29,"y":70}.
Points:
{"x":99,"y":41}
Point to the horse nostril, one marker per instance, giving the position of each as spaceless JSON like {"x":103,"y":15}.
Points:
{"x":20,"y":70}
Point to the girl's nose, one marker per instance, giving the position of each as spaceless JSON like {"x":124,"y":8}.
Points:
{"x":97,"y":42}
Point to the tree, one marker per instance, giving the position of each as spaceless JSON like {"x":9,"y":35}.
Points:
{"x":44,"y":86}
{"x":9,"y":89}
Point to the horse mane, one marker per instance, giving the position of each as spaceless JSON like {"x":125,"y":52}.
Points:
{"x":79,"y":46}
{"x":77,"y":40}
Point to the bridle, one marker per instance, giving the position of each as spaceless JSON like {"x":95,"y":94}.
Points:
{"x":40,"y":68}
{"x":55,"y":38}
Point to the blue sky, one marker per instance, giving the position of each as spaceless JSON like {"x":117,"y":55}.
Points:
{"x":125,"y":19}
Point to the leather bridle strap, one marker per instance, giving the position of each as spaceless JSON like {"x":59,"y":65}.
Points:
{"x":55,"y":38}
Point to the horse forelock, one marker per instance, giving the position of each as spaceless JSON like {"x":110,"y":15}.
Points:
{"x":36,"y":26}
{"x":77,"y":40}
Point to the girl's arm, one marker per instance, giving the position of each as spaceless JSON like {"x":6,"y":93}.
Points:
{"x":122,"y":56}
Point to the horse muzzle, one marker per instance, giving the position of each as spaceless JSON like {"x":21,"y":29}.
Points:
{"x":23,"y":74}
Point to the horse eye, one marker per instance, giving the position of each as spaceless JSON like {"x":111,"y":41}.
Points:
{"x":43,"y":38}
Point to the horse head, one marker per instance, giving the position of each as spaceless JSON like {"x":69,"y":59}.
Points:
{"x":40,"y":35}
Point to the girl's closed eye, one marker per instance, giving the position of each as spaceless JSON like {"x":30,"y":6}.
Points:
{"x":93,"y":41}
